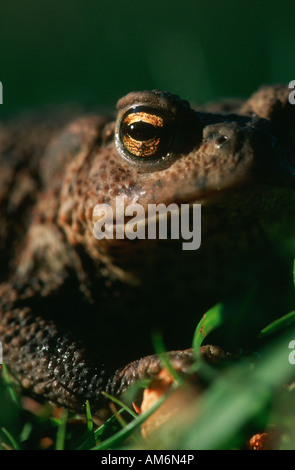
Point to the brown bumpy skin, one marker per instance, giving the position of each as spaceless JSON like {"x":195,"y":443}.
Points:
{"x":74,"y":309}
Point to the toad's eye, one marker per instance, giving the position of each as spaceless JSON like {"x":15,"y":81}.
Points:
{"x":145,"y":134}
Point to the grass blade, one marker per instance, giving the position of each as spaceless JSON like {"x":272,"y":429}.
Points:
{"x":161,"y":352}
{"x":209,"y":322}
{"x":9,"y":385}
{"x":123,"y":434}
{"x":90,"y":430}
{"x":61,"y":431}
{"x":11,"y":439}
{"x":275,"y":326}
{"x":120,"y":403}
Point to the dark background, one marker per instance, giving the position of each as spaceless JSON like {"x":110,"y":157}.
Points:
{"x":95,"y":51}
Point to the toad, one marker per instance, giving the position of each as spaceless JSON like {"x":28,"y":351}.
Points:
{"x":77,"y":313}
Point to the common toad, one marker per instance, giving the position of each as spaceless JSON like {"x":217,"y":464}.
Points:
{"x":73,"y":309}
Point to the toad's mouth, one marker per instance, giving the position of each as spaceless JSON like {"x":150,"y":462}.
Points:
{"x":122,"y":219}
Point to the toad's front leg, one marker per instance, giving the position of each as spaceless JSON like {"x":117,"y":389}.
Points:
{"x":44,"y":358}
{"x":52,"y":363}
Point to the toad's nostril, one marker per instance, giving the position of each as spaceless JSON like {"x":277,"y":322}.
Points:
{"x":217,"y":138}
{"x":221,"y":140}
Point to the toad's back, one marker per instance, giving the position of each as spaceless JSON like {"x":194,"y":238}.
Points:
{"x":22,"y":142}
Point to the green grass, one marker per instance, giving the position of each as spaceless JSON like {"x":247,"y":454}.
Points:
{"x":245,"y":398}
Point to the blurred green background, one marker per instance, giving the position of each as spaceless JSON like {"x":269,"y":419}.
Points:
{"x":95,"y":51}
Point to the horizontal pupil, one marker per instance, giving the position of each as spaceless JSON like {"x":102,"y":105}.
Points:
{"x":142,"y":131}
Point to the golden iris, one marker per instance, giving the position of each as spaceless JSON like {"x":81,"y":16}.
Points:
{"x":141,"y":133}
